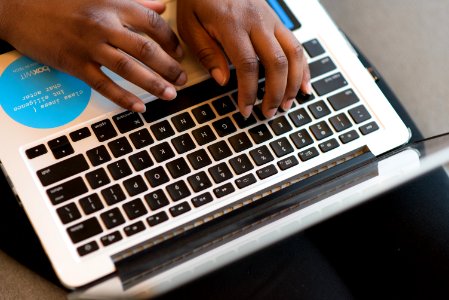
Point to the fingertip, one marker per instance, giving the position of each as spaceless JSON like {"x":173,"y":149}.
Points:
{"x":169,"y":93}
{"x":246,"y":111}
{"x":139,"y":107}
{"x":219,"y":76}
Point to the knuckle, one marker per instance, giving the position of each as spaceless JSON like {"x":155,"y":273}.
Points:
{"x":147,"y":50}
{"x":173,"y":72}
{"x":153,"y":18}
{"x":100,"y":85}
{"x":123,"y":65}
{"x":280,"y":61}
{"x":249,"y":65}
{"x":205,"y":55}
{"x":298,"y":50}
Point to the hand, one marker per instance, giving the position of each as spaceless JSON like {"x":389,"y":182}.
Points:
{"x":249,"y":31}
{"x":78,"y":37}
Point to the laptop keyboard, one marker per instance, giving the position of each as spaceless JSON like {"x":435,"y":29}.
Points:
{"x":148,"y":169}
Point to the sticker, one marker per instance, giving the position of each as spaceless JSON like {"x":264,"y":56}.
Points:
{"x":38,"y":96}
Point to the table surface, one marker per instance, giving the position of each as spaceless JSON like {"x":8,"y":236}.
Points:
{"x":405,"y":39}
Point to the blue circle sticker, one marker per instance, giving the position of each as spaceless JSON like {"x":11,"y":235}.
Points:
{"x":38,"y":96}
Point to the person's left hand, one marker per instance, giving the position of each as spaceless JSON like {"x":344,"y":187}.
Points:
{"x":249,"y":31}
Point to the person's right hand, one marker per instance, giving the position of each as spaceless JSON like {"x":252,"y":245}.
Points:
{"x":78,"y":37}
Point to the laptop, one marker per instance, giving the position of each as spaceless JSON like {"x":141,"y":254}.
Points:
{"x":134,"y":205}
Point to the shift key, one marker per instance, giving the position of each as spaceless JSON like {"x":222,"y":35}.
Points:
{"x":329,"y":84}
{"x":62,"y":170}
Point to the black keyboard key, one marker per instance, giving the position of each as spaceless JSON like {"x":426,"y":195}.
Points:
{"x":287,"y":163}
{"x":119,"y":169}
{"x":87,"y":248}
{"x":303,"y":98}
{"x":313,"y":48}
{"x":266,"y":172}
{"x":220,"y":173}
{"x":261,"y":90}
{"x":127,"y":121}
{"x":141,"y":138}
{"x":300,"y":117}
{"x":204,"y":135}
{"x":359,"y":114}
{"x":112,"y":218}
{"x":183,"y":143}
{"x":199,"y":182}
{"x":328,"y":145}
{"x":80,"y":134}
{"x":308,"y":154}
{"x":199,"y":159}
{"x":60,"y":147}
{"x":162,"y":130}
{"x":224,"y":190}
{"x":343,"y":99}
{"x":240,"y":142}
{"x":111,"y":238}
{"x":135,"y":185}
{"x":104,"y":130}
{"x":120,"y":147}
{"x":156,"y":176}
{"x":281,"y":147}
{"x":97,"y":178}
{"x":329,"y":84}
{"x":223,"y":105}
{"x":243,"y":122}
{"x":369,"y":128}
{"x":183,"y":122}
{"x":67,"y":190}
{"x":258,"y":112}
{"x":348,"y":136}
{"x":245,"y":181}
{"x":340,"y":122}
{"x":178,"y":190}
{"x":134,"y":228}
{"x":134,"y":209}
{"x":157,"y":218}
{"x":301,"y":138}
{"x":321,"y":130}
{"x":141,"y":160}
{"x":68,"y":213}
{"x":224,"y":127}
{"x":91,"y":204}
{"x":261,"y":155}
{"x":202,"y":199}
{"x":62,"y":170}
{"x":241,"y":164}
{"x":156,"y":200}
{"x":203,"y":114}
{"x":321,"y":67}
{"x":113,"y":194}
{"x":319,"y":109}
{"x":220,"y":150}
{"x":280,"y":125}
{"x":84,"y":230}
{"x":98,"y":155}
{"x":162,"y":152}
{"x":178,"y":167}
{"x":36,"y":151}
{"x":260,"y":133}
{"x":179,"y":209}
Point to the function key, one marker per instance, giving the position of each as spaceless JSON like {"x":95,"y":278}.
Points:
{"x":80,"y":134}
{"x":60,"y":147}
{"x":313,"y":48}
{"x":308,"y":154}
{"x":36,"y":151}
{"x":111,"y":238}
{"x":223,"y":105}
{"x":112,"y":218}
{"x":183,"y":122}
{"x":287,"y":163}
{"x":98,"y":156}
{"x":104,"y":130}
{"x":202,"y":199}
{"x":266,"y":172}
{"x":84,"y":230}
{"x":162,"y":130}
{"x":68,"y":213}
{"x":157,"y":218}
{"x":320,"y":67}
{"x":179,"y":209}
{"x":368,"y":128}
{"x":329,"y":84}
{"x":359,"y":114}
{"x":141,"y":138}
{"x":88,"y":248}
{"x":127,"y":121}
{"x":343,"y":99}
{"x":134,"y":228}
{"x":348,"y":136}
{"x":328,"y":145}
{"x":319,"y":109}
{"x":203,"y":114}
{"x":224,"y":190}
{"x":245,"y":181}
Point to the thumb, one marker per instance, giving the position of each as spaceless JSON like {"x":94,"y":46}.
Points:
{"x":155,"y":5}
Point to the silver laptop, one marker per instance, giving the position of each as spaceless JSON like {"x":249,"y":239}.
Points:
{"x":133,"y":205}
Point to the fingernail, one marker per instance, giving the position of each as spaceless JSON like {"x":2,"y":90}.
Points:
{"x":179,"y":52}
{"x":139,"y":107}
{"x":287,"y":104}
{"x":270,"y":113}
{"x":218,"y":75}
{"x":169,"y":93}
{"x":182,"y":79}
{"x":246,"y":111}
{"x":309,"y":89}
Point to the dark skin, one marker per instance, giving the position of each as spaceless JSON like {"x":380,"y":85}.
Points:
{"x":80,"y":36}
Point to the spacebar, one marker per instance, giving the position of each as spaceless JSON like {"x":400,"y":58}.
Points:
{"x":63,"y":170}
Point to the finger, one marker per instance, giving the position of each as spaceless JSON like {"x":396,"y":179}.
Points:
{"x":246,"y":63}
{"x":151,"y":23}
{"x":150,"y":53}
{"x":94,"y":77}
{"x":306,"y":85}
{"x":206,"y":50}
{"x":155,"y":5}
{"x":295,"y":56}
{"x":128,"y":68}
{"x":275,"y":62}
